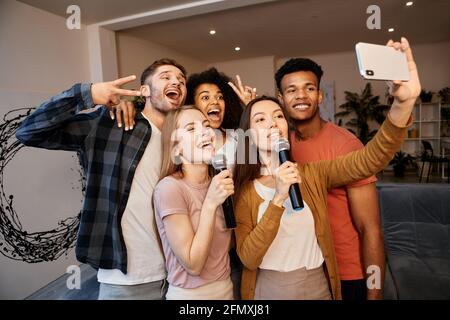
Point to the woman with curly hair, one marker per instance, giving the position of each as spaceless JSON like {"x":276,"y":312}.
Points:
{"x":214,"y":94}
{"x":222,"y":102}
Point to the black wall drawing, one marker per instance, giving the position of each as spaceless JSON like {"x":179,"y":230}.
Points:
{"x":16,"y":243}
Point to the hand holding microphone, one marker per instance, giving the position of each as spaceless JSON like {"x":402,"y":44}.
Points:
{"x":222,"y":188}
{"x":287,"y":178}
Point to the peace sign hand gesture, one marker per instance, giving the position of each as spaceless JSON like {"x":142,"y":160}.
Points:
{"x":109,"y":93}
{"x":245,"y":93}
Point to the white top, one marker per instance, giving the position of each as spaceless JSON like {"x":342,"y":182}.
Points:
{"x":295,"y":246}
{"x":229,"y":149}
{"x":145,"y":258}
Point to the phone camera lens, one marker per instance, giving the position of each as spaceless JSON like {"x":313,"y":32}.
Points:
{"x":369,"y":72}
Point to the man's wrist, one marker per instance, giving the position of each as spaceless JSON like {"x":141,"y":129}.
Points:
{"x":86,"y":95}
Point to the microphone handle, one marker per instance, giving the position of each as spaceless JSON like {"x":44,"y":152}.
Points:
{"x":228,"y":213}
{"x":296,"y":197}
{"x":294,"y":190}
{"x":228,"y":210}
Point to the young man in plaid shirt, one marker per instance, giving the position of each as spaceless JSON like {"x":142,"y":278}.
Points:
{"x":116,"y":233}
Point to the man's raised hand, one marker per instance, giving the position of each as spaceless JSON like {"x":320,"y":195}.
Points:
{"x":109,"y":93}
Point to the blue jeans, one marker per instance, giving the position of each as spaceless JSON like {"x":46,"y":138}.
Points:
{"x":147,"y":291}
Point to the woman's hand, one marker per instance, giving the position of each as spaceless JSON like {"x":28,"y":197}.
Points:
{"x":220,"y":189}
{"x":245,"y":93}
{"x":285,"y":176}
{"x":405,"y":93}
{"x":124,"y":112}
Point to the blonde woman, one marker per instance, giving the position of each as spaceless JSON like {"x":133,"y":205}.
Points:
{"x":188,"y":210}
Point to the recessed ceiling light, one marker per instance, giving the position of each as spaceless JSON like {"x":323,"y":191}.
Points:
{"x":237,"y":49}
{"x":212,"y":31}
{"x":391,"y":29}
{"x":409,"y":3}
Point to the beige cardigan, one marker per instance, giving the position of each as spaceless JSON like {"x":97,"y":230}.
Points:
{"x":254,"y":239}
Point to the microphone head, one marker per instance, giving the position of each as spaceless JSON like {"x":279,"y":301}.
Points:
{"x":282,"y":145}
{"x":219,"y":162}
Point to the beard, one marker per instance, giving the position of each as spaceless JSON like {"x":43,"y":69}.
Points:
{"x":160,"y":104}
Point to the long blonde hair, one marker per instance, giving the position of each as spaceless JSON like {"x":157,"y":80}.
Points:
{"x":170,"y":125}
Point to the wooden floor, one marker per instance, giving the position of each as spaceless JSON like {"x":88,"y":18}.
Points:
{"x":57,"y":290}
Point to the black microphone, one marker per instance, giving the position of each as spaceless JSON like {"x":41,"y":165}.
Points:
{"x":219,"y":163}
{"x":282,"y":147}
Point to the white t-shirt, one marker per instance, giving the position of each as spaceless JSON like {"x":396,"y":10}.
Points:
{"x":145,"y":258}
{"x":295,"y":246}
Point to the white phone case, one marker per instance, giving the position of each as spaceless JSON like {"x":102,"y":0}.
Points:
{"x":377,"y":62}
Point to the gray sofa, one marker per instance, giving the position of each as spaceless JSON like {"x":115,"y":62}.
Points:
{"x":416,"y":225}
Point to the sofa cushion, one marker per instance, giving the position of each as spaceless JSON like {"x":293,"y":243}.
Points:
{"x":416,"y":226}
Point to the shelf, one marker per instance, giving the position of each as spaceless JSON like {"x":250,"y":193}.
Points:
{"x":427,"y":121}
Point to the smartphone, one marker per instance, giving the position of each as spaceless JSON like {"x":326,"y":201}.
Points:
{"x":377,"y":62}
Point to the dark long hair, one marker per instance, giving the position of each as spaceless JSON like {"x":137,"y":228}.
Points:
{"x":245,"y":173}
{"x":233,"y":106}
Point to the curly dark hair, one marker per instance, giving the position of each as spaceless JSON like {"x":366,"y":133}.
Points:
{"x":233,"y":106}
{"x":298,"y":64}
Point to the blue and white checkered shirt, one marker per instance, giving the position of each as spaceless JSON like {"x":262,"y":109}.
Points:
{"x":109,"y":156}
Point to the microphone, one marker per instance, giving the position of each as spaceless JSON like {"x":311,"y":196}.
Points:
{"x":219,"y":162}
{"x":282,"y":147}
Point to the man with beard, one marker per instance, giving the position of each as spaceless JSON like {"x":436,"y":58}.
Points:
{"x":116,"y":235}
{"x":353,"y":210}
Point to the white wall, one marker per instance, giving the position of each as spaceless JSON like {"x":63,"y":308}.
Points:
{"x":134,"y":55}
{"x":39,"y":57}
{"x":255,"y":72}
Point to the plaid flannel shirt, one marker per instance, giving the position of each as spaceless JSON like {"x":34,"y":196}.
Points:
{"x":109,"y":156}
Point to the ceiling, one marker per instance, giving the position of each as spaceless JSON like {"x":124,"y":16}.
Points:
{"x":93,"y":11}
{"x":281,"y":28}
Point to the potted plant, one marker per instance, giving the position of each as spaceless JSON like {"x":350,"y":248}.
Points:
{"x":444,"y":93}
{"x":400,"y":162}
{"x":365,"y":107}
{"x":426,"y":96}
